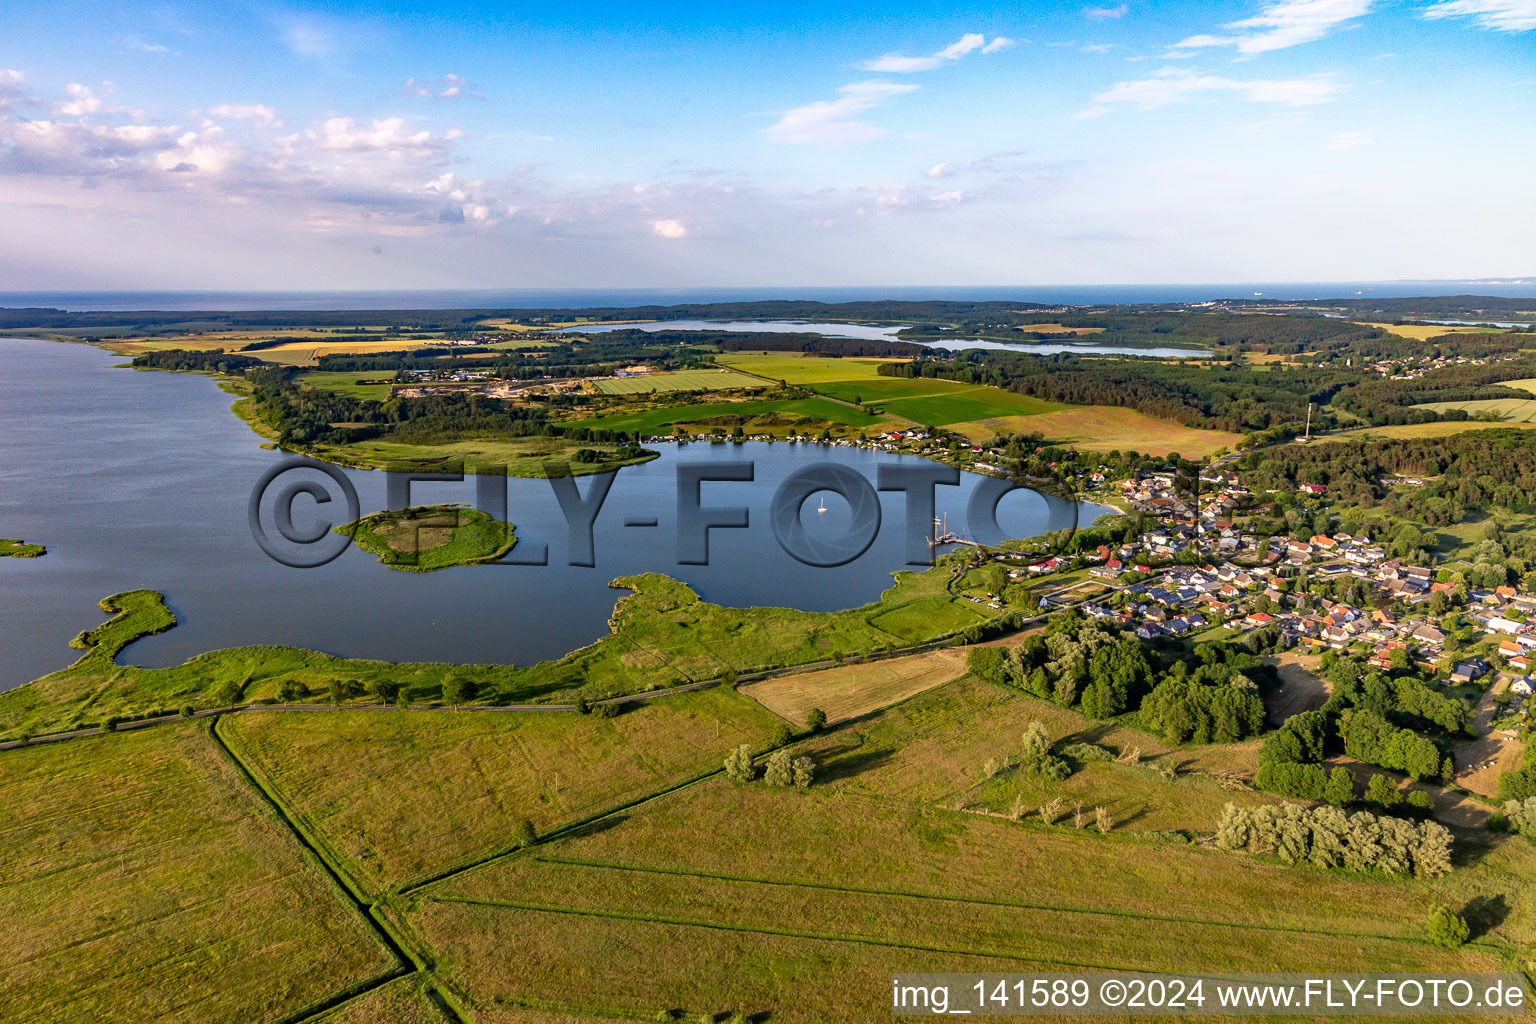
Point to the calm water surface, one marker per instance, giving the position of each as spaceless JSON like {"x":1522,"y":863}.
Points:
{"x":142,"y":479}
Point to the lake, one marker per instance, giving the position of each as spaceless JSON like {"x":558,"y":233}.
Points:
{"x":141,"y":479}
{"x":877,"y":332}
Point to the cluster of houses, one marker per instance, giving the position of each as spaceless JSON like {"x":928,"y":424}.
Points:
{"x":1409,"y":367}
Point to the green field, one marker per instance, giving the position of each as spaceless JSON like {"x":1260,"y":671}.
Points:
{"x":432,"y":537}
{"x":781,"y":416}
{"x":679,"y":380}
{"x":1512,"y":410}
{"x":135,"y":866}
{"x":801,"y":904}
{"x":347,"y":383}
{"x":934,"y":401}
{"x":457,"y":782}
{"x":801,"y":369}
{"x":517,"y":456}
{"x":12,"y":548}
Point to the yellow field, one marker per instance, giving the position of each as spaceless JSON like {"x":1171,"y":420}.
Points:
{"x":1524,"y":384}
{"x":853,"y":690}
{"x":1103,"y":428}
{"x":797,"y":369}
{"x":1419,"y":332}
{"x":307,"y":353}
{"x":679,"y":380}
{"x":1442,"y":429}
{"x":1059,"y":329}
{"x":1513,"y":410}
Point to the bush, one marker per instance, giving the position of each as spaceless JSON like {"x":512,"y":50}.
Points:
{"x":111,"y":722}
{"x":739,"y":766}
{"x":1087,"y":752}
{"x":1447,"y":928}
{"x":782,"y":735}
{"x":524,"y":834}
{"x":1340,"y":789}
{"x":1327,"y":837}
{"x":1382,"y":791}
{"x":186,"y":711}
{"x":815,"y":719}
{"x":1303,"y":781}
{"x":290,"y":690}
{"x":1521,"y":817}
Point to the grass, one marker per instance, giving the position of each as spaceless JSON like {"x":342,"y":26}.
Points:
{"x":401,"y":794}
{"x":21,"y":549}
{"x":349,"y":383}
{"x":776,"y":416}
{"x":662,"y":635}
{"x":1524,"y":384}
{"x":1103,"y":428}
{"x":937,"y":402}
{"x":678,"y":380}
{"x":1423,"y":332}
{"x":403,"y":1001}
{"x":1512,"y":410}
{"x":135,"y":865}
{"x":432,"y":537}
{"x":850,"y":691}
{"x":801,"y":904}
{"x":517,"y":456}
{"x":1441,"y":428}
{"x":802,"y":369}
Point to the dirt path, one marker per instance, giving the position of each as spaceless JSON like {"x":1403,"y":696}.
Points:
{"x":1300,"y":690}
{"x":1480,"y":762}
{"x":1451,"y":808}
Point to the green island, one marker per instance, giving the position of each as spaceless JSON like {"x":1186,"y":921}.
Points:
{"x":426,"y":538}
{"x":21,"y":549}
{"x":1273,"y":715}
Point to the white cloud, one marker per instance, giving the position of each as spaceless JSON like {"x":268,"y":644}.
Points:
{"x":668,"y":228}
{"x":940,"y":171}
{"x":259,"y":115}
{"x":998,"y":43}
{"x":82,"y":101}
{"x":1101,"y":13}
{"x":1348,"y":140}
{"x":448,"y":87}
{"x":1098,"y":47}
{"x":835,"y":122}
{"x":895,"y":63}
{"x":1499,"y":15}
{"x":1179,"y":85}
{"x":309,"y":38}
{"x":1283,"y":23}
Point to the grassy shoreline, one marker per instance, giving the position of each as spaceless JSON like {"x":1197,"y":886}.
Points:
{"x":13,"y":548}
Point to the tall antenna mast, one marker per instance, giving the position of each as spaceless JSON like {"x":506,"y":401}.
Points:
{"x":1309,"y":422}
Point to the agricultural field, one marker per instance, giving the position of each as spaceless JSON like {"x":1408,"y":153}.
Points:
{"x":938,"y":402}
{"x":398,"y":1002}
{"x":792,"y":368}
{"x":886,"y":874}
{"x":1104,"y":428}
{"x":679,"y":380}
{"x":459,"y":781}
{"x":849,"y":691}
{"x":349,"y":383}
{"x":1441,"y":428}
{"x":167,"y":856}
{"x":772,"y":416}
{"x":1423,"y":332}
{"x":1508,"y":410}
{"x":517,"y":456}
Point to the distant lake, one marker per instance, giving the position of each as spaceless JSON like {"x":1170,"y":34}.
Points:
{"x":873,"y":332}
{"x":887,"y":332}
{"x":141,"y":479}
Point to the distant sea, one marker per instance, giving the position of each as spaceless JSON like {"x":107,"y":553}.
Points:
{"x":531,"y":298}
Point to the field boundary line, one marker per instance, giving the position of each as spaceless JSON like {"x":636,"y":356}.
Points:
{"x":789,"y":933}
{"x":971,"y":900}
{"x":407,"y":962}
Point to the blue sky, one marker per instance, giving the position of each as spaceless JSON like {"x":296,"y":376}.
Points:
{"x":410,"y":145}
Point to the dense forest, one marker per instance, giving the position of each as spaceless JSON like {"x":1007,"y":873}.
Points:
{"x":1222,"y":398}
{"x":216,"y":360}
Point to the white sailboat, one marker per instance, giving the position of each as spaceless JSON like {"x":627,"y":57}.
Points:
{"x":823,"y":507}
